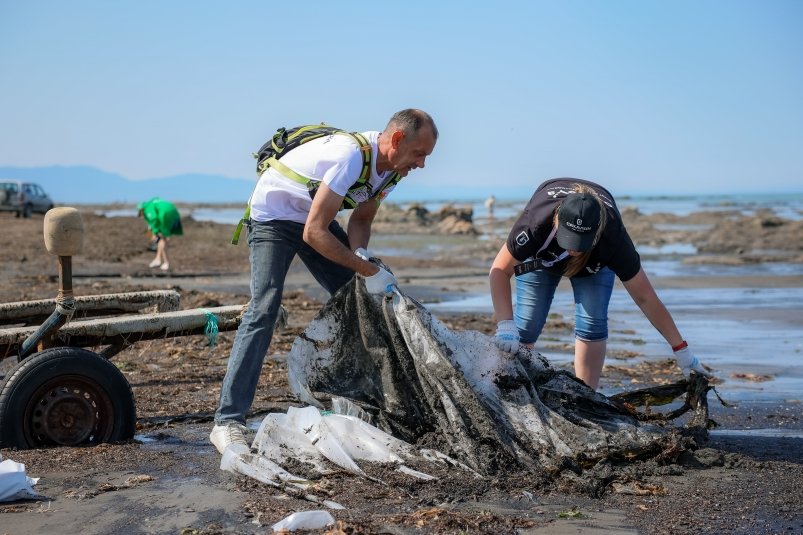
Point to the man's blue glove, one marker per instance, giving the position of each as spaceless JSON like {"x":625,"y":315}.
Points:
{"x":689,"y":363}
{"x":381,"y":282}
{"x":507,"y":336}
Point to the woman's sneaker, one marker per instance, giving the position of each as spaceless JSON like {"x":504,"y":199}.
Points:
{"x":223,"y":436}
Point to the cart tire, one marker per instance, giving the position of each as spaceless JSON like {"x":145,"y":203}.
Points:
{"x":65,"y":396}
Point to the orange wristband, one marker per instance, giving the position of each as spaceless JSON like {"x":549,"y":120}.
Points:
{"x":682,"y":345}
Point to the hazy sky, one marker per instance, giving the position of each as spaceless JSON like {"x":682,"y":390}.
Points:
{"x":644,"y":96}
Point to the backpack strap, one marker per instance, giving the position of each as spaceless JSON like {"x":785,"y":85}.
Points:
{"x":365,"y":172}
{"x":286,"y":171}
{"x":235,"y":238}
{"x":394,"y":179}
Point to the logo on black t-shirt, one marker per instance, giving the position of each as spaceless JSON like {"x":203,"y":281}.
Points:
{"x":594,"y":270}
{"x":522,"y":238}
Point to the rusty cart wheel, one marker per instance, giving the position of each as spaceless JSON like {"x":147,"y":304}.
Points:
{"x":65,"y":396}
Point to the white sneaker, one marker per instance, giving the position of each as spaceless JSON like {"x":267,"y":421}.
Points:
{"x":223,"y":436}
{"x":155,"y":263}
{"x":165,"y":266}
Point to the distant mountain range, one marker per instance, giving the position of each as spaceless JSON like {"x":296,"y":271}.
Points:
{"x":89,"y":185}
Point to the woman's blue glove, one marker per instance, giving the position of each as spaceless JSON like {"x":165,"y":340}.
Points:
{"x":507,"y":336}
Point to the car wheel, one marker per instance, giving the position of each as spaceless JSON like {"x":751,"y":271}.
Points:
{"x":65,"y":396}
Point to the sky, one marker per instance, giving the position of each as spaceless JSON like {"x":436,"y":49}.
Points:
{"x":644,"y":97}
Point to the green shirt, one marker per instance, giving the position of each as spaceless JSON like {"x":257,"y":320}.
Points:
{"x":162,"y":217}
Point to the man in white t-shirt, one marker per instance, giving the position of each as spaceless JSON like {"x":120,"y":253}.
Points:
{"x":288,"y":220}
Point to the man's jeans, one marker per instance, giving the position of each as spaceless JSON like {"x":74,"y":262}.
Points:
{"x":592,"y":294}
{"x":272,"y":247}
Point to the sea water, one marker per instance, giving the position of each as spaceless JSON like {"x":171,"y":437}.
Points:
{"x":786,"y":205}
{"x":736,"y":331}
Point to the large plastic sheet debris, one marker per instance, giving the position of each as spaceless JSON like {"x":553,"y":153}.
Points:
{"x":324,"y":443}
{"x":454,"y":392}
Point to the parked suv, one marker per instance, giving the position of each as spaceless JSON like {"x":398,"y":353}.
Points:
{"x":24,"y":198}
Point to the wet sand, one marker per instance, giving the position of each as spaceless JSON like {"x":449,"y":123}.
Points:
{"x":168,"y":481}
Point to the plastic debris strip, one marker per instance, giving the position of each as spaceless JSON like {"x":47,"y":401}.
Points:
{"x":15,"y":484}
{"x":457,"y":393}
{"x":237,"y":460}
{"x":211,"y":330}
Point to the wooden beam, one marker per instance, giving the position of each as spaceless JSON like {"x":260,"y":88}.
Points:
{"x":33,"y":312}
{"x":128,"y":329}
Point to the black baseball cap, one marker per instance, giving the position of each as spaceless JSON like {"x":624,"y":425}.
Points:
{"x":578,"y":220}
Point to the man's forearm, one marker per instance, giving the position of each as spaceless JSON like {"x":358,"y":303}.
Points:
{"x":359,"y":235}
{"x":329,"y":246}
{"x":316,"y":233}
{"x":359,"y":226}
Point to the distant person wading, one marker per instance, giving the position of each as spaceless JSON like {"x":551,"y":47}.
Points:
{"x":490,"y":202}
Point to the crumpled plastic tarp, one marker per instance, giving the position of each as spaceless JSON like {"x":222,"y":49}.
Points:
{"x":454,"y":391}
{"x":14,"y":483}
{"x":321,"y":442}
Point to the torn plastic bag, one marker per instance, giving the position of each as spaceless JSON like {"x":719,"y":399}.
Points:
{"x":304,"y":520}
{"x":14,"y":484}
{"x":456,"y":392}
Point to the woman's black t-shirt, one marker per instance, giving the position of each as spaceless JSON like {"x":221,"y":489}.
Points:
{"x":615,"y":248}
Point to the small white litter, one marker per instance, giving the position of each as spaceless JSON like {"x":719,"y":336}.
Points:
{"x":14,"y":484}
{"x":305,"y":520}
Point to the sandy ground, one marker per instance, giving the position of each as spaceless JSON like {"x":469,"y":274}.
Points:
{"x":168,"y":480}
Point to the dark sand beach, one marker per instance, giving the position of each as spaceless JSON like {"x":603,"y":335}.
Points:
{"x":168,"y":480}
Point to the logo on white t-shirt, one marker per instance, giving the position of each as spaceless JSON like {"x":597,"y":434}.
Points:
{"x":361,"y":194}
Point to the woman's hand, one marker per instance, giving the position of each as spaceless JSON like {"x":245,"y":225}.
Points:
{"x":689,"y":363}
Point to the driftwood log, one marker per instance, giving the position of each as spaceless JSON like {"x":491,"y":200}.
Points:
{"x":34,"y":312}
{"x":120,"y":332}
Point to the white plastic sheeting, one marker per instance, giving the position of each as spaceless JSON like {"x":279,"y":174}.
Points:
{"x":325,"y":442}
{"x":15,"y":484}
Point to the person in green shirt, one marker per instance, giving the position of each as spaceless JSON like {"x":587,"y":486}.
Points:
{"x":164,"y":221}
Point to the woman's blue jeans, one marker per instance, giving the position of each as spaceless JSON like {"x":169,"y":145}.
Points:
{"x":272,"y":247}
{"x":592,"y":294}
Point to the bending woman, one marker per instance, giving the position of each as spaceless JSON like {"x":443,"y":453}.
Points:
{"x":164,"y":221}
{"x":572,"y":228}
